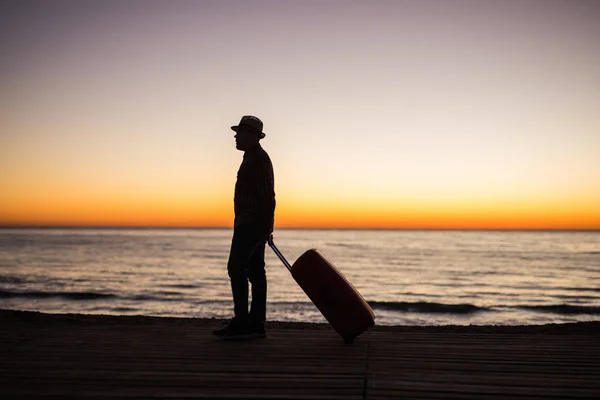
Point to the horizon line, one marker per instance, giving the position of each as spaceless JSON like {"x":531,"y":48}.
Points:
{"x":138,"y":227}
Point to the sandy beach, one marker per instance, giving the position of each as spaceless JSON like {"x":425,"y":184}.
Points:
{"x":97,"y":356}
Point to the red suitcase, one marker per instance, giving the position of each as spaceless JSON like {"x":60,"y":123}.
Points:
{"x":339,"y":302}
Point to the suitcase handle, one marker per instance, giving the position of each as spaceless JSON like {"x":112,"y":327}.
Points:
{"x":276,"y":250}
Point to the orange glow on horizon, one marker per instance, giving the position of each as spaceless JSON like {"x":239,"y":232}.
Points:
{"x":218,"y":212}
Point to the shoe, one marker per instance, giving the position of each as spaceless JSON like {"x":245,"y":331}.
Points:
{"x":257,"y":330}
{"x":234,"y":331}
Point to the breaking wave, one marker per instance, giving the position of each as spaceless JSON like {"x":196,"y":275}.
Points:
{"x":564,"y":309}
{"x":427,"y":307}
{"x":4,"y":294}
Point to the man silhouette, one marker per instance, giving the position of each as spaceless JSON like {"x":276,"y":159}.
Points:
{"x":254,"y":206}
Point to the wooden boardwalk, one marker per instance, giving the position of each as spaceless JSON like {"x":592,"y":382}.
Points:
{"x":83,"y":356}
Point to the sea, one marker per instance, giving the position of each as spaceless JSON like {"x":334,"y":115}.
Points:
{"x":409,"y":277}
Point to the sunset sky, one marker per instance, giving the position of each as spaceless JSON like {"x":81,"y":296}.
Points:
{"x":378,"y":114}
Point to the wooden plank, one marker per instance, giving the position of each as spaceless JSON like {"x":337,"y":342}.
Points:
{"x":480,"y":366}
{"x":140,"y":358}
{"x":75,"y":356}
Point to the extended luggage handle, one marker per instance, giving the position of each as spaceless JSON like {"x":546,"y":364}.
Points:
{"x":276,"y":250}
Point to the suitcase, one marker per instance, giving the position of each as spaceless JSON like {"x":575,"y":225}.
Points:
{"x":339,"y":302}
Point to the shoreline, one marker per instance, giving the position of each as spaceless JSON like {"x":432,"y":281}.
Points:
{"x":587,"y":327}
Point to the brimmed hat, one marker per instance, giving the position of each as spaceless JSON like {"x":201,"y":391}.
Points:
{"x":252,"y":122}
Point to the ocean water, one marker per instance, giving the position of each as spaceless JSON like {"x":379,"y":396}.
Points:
{"x":409,"y":277}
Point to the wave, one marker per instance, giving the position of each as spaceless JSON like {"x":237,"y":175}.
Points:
{"x":440,"y":308}
{"x":82,"y":296}
{"x":427,"y":307}
{"x":563,"y":309}
{"x":179,"y":286}
{"x":124,"y":309}
{"x":11,"y":280}
{"x":354,"y":246}
{"x":5,"y":294}
{"x":418,"y":307}
{"x":575,"y":289}
{"x":149,"y":297}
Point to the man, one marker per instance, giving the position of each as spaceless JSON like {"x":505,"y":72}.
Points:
{"x":254,"y":206}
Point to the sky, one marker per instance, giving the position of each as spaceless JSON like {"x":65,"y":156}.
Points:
{"x":429,"y":114}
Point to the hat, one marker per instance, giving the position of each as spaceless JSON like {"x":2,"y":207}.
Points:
{"x":252,"y":122}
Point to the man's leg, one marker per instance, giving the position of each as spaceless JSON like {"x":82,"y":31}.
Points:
{"x":243,"y":245}
{"x":258,"y":279}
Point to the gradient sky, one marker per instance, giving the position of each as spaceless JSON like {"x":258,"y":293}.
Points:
{"x":380,"y":114}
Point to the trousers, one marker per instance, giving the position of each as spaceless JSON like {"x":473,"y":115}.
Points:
{"x":247,"y":264}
